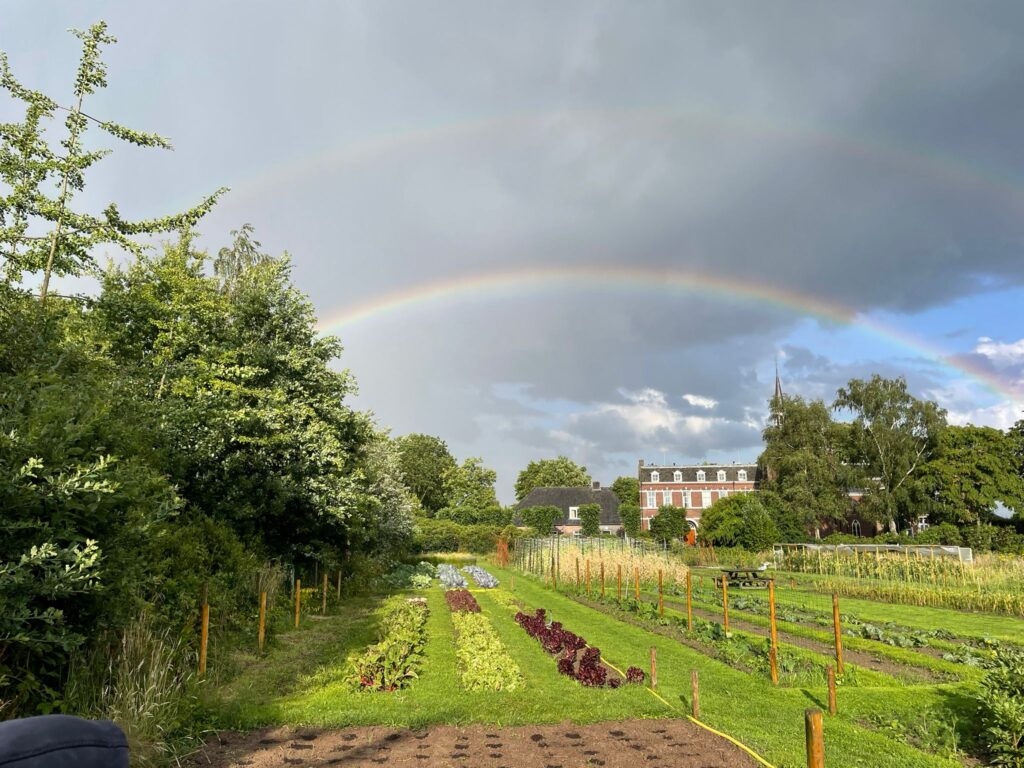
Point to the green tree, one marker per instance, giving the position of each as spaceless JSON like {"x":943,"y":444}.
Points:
{"x":590,"y":519}
{"x":550,"y":473}
{"x":243,"y":253}
{"x":469,"y":488}
{"x":669,"y":524}
{"x":804,"y":461}
{"x":892,"y":436}
{"x":425,"y":461}
{"x":38,"y":231}
{"x":972,"y":469}
{"x":739,"y":520}
{"x":627,"y":490}
{"x":541,"y":518}
{"x":630,"y":515}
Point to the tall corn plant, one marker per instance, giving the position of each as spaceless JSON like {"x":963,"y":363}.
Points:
{"x":39,"y":231}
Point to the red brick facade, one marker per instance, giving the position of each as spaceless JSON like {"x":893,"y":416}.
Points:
{"x":691,"y":487}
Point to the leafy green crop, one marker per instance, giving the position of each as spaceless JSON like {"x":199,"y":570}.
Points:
{"x":485,"y":663}
{"x":393,"y":662}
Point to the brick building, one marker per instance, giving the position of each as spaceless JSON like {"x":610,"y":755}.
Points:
{"x":693,"y":488}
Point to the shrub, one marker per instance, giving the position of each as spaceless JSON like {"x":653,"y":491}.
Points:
{"x":1002,"y":708}
{"x":590,"y":519}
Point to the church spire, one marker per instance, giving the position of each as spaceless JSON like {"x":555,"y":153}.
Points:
{"x":778,"y":384}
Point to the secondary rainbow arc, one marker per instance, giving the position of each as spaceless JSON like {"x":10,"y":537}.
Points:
{"x":525,"y":281}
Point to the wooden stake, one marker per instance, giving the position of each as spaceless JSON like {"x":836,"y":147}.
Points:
{"x":725,"y":603}
{"x":588,"y":577}
{"x":298,"y":600}
{"x":654,"y":667}
{"x":773,"y":660}
{"x":262,"y":633}
{"x":838,"y":631}
{"x":636,"y":572}
{"x":323,"y":604}
{"x":204,"y":637}
{"x":695,"y":694}
{"x":689,"y":601}
{"x":577,"y":574}
{"x":602,"y":579}
{"x":618,"y":583}
{"x":339,"y":583}
{"x":815,"y":739}
{"x":831,"y":690}
{"x":661,"y":595}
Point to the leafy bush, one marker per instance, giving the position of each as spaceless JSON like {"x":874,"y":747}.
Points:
{"x":403,"y":575}
{"x":485,"y":663}
{"x":1002,"y":708}
{"x":393,"y":662}
{"x":483,"y":579}
{"x":451,"y":578}
{"x":461,"y":601}
{"x":432,"y":535}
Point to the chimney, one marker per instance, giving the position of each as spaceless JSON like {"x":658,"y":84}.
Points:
{"x":596,"y":485}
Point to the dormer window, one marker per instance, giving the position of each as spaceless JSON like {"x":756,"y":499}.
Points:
{"x":721,"y":475}
{"x":655,"y":477}
{"x":742,"y":475}
{"x":677,"y":476}
{"x":574,"y":513}
{"x":701,"y":477}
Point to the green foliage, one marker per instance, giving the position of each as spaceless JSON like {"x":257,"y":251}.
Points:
{"x":446,"y":536}
{"x":394,"y":661}
{"x":30,"y":167}
{"x":972,"y":469}
{"x":630,"y":516}
{"x":590,"y":519}
{"x":469,"y":490}
{"x":739,"y":520}
{"x":541,"y":518}
{"x":627,"y":489}
{"x":484,"y":662}
{"x":669,"y":524}
{"x":892,"y":436}
{"x":425,"y":462}
{"x":550,"y":473}
{"x":1002,"y":708}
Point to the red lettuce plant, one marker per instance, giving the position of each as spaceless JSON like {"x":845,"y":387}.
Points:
{"x":635,"y":675}
{"x":461,"y":600}
{"x":556,"y":639}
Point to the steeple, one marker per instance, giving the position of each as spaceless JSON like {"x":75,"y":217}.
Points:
{"x":778,"y":384}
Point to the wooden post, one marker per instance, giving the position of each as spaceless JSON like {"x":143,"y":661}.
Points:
{"x":831,"y":690}
{"x":838,"y":631}
{"x":588,"y":577}
{"x":661,"y":595}
{"x":262,"y":633}
{"x":771,"y":615}
{"x":577,"y":574}
{"x":695,"y":694}
{"x":815,"y":739}
{"x":773,"y":661}
{"x":654,"y":667}
{"x":725,"y":603}
{"x":602,"y":579}
{"x":636,"y":572}
{"x":689,"y":601}
{"x":323,"y":603}
{"x":339,"y":584}
{"x":298,"y":600}
{"x":618,"y":583}
{"x":204,"y":636}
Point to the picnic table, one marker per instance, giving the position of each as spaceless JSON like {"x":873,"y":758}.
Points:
{"x":744,"y":578}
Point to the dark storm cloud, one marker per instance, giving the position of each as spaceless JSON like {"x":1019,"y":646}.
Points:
{"x":867,"y":155}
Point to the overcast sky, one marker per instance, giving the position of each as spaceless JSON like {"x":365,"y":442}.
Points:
{"x":868,"y":156}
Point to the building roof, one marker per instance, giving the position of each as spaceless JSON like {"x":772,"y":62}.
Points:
{"x":690,"y":472}
{"x":564,"y":497}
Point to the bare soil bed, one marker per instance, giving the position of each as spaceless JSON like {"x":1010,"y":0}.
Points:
{"x":625,"y":744}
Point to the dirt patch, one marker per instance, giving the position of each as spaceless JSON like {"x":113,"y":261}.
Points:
{"x":623,"y":744}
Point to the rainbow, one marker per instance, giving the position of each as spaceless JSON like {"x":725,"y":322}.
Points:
{"x":670,"y":282}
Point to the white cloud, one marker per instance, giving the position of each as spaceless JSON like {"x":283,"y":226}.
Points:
{"x":700,"y":401}
{"x":1001,"y":354}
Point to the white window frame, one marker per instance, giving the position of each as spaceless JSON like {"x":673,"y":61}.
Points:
{"x":574,"y":513}
{"x":666,"y":498}
{"x":855,"y":527}
{"x":721,"y":476}
{"x":652,"y":501}
{"x":701,"y":476}
{"x":686,"y":499}
{"x":742,"y":475}
{"x":677,"y":476}
{"x":655,"y":477}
